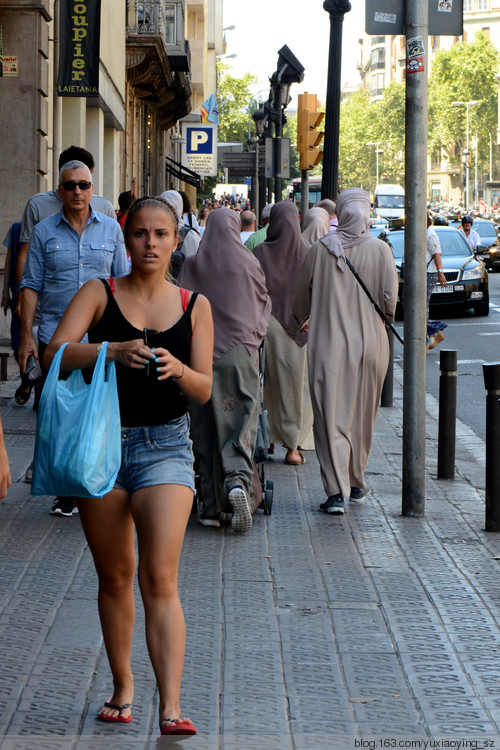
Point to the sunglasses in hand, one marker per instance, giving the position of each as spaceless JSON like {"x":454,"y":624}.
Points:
{"x":71,"y":185}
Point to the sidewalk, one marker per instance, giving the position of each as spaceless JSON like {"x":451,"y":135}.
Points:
{"x":310,"y":632}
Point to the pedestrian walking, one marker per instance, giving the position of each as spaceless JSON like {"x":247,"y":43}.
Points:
{"x":161,"y":339}
{"x":67,"y":249}
{"x":316,"y":225}
{"x":286,"y":390}
{"x":348,"y":346}
{"x":435,"y":275}
{"x":224,"y":430}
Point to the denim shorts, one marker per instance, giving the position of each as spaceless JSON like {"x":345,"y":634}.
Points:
{"x":161,"y":454}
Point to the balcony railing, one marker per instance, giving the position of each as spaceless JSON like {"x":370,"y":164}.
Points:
{"x":154,"y":17}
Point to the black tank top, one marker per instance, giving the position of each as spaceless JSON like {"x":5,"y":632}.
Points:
{"x":144,"y":400}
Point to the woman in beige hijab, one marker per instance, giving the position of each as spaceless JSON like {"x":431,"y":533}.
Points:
{"x":348,"y":348}
{"x":316,"y":225}
{"x":286,"y":392}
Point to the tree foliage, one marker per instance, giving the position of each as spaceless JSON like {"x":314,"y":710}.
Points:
{"x":381,"y":123}
{"x":465,"y":73}
{"x":234,"y":99}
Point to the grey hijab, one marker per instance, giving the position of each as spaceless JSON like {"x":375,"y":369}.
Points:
{"x":316,"y":225}
{"x":226,"y":272}
{"x":353,"y":212}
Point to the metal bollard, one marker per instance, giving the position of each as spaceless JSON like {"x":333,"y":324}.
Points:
{"x":388,"y":387}
{"x":447,"y":414}
{"x":491,"y":375}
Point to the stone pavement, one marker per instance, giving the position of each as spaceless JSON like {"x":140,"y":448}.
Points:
{"x":311,"y":631}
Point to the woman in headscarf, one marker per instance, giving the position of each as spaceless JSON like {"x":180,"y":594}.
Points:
{"x":316,"y":225}
{"x":224,"y":431}
{"x":189,"y":239}
{"x":348,"y":345}
{"x":286,"y":391}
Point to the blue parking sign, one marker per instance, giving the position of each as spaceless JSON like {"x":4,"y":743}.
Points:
{"x":199,"y":140}
{"x":199,"y":147}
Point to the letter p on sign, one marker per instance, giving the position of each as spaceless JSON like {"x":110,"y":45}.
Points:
{"x":199,"y":140}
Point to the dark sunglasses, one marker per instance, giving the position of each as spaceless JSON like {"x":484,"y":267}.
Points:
{"x":71,"y":185}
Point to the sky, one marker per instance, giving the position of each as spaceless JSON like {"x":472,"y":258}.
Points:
{"x":264,"y":26}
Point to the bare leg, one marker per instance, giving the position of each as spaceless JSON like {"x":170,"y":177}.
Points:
{"x":161,"y":514}
{"x":109,"y":530}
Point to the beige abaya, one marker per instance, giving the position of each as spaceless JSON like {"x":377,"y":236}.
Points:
{"x":348,"y":350}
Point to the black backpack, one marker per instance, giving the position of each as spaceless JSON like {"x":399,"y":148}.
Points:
{"x":178,"y":256}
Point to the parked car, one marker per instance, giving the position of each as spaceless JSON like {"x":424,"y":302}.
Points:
{"x":466,"y":275}
{"x":489,"y":252}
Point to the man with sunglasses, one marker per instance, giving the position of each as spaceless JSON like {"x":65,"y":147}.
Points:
{"x":67,"y":249}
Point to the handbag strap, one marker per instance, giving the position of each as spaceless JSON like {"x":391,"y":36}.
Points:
{"x":111,"y":283}
{"x":375,"y":305}
{"x":184,"y":299}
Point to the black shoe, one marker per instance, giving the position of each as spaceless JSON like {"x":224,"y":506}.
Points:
{"x":358,"y":495}
{"x":63,"y":506}
{"x":334,"y":504}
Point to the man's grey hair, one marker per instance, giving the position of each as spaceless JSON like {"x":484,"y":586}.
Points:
{"x":247,"y":219}
{"x":266,"y":211}
{"x":75,"y":164}
{"x":329,"y":206}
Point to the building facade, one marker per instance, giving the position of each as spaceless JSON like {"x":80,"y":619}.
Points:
{"x":383,"y":61}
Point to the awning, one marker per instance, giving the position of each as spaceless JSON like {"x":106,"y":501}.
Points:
{"x":183,"y":173}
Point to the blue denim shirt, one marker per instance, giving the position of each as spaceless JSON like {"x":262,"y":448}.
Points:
{"x":60,"y":262}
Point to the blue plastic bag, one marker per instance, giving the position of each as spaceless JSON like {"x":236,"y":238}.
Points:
{"x":78,"y":443}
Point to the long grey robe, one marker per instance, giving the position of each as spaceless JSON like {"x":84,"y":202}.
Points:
{"x":348,"y":353}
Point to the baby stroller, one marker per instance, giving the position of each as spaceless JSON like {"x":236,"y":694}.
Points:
{"x":262,"y":444}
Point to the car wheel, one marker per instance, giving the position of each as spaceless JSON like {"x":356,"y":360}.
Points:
{"x":483,"y":307}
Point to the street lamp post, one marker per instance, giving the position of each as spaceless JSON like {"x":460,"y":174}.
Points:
{"x":330,"y":180}
{"x":466,"y":151}
{"x":377,"y":152}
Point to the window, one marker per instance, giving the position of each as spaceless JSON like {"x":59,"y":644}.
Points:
{"x":170,"y":23}
{"x":467,"y":6}
{"x":486,"y":31}
{"x":482,"y":4}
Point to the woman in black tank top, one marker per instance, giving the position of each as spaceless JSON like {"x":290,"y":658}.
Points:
{"x":161,"y":339}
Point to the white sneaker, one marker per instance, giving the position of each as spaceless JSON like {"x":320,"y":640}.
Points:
{"x":209,"y":522}
{"x":242,"y":518}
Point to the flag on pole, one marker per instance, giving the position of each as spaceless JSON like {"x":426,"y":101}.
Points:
{"x":209,"y":110}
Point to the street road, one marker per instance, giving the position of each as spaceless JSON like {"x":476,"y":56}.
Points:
{"x":477,"y":340}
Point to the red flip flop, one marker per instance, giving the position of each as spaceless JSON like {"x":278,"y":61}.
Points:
{"x":119,"y":718}
{"x":177,"y":726}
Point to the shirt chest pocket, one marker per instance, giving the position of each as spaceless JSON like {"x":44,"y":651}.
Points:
{"x":100,"y":256}
{"x":60,"y":256}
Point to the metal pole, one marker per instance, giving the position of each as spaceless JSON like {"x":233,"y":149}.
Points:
{"x":490,"y":159}
{"x":278,"y":182}
{"x":475,"y":174}
{"x":377,"y":165}
{"x":386,"y":398}
{"x":413,"y":499}
{"x":466,"y":161}
{"x":256,"y":188}
{"x":491,"y":374}
{"x":447,"y":414}
{"x":304,"y":195}
{"x":329,"y":183}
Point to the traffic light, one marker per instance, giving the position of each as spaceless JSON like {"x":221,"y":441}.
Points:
{"x":308,"y":136}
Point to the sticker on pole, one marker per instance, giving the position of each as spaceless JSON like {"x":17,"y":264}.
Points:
{"x":415,"y":47}
{"x":415,"y":65}
{"x":445,"y":6}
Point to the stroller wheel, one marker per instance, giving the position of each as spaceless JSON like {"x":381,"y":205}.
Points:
{"x":267,"y":502}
